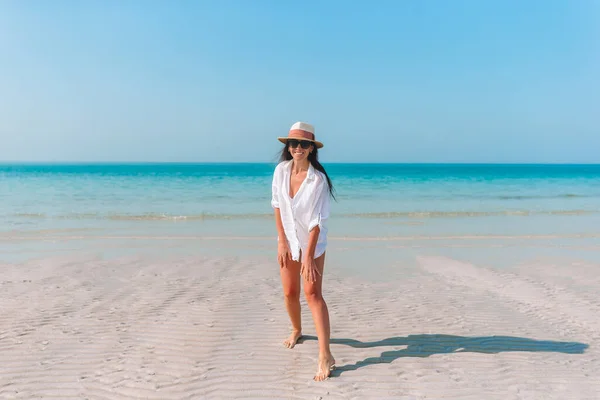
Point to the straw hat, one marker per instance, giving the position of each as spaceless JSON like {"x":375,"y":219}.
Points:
{"x":301,"y":131}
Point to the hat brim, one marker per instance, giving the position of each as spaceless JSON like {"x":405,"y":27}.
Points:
{"x":285,"y":139}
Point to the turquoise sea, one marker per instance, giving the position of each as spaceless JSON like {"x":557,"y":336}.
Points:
{"x":373,"y":200}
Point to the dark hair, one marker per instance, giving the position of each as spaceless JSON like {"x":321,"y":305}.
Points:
{"x":313,"y":158}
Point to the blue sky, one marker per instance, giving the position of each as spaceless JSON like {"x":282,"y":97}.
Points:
{"x":394,"y":81}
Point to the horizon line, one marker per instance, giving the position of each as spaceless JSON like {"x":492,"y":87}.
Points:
{"x":98,"y":162}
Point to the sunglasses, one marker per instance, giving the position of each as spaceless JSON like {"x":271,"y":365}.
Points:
{"x":293,"y":143}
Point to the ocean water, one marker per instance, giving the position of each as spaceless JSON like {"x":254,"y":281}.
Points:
{"x":373,"y":200}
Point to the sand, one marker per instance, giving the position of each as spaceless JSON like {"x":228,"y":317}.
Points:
{"x":422,"y":325}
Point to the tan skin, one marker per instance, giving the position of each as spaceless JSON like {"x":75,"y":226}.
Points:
{"x":311,"y":272}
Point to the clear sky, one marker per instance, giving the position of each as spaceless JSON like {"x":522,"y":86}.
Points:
{"x":382,"y":81}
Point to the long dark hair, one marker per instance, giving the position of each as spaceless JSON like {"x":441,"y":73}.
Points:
{"x":313,"y":158}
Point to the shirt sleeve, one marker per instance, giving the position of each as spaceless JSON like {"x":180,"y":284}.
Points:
{"x":275,"y":189}
{"x":320,"y":211}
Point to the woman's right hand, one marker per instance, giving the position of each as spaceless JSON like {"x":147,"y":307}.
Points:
{"x":283,"y":254}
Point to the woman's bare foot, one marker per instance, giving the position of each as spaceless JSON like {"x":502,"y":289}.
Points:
{"x":293,"y":339}
{"x":326,"y":365}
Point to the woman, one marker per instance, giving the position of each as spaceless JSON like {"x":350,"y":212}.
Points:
{"x":300,"y":197}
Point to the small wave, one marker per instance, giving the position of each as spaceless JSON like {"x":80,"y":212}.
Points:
{"x":434,"y":214}
{"x":145,"y":217}
{"x":16,"y":235}
{"x":532,"y":197}
{"x":572,"y":212}
{"x":80,"y":216}
{"x":31,"y":215}
{"x":373,"y":215}
{"x":463,"y":214}
{"x":196,"y":217}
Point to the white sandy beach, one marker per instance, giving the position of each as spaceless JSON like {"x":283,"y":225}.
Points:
{"x":415,"y":323}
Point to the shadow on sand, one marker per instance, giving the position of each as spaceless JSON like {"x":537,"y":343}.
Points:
{"x":426,"y":345}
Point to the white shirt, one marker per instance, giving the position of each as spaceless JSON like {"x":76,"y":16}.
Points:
{"x":309,"y":208}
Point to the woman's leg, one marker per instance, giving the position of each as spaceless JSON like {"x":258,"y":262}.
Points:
{"x":320,"y":313}
{"x":290,"y":279}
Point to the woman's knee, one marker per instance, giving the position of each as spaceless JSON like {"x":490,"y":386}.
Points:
{"x":291,"y":293}
{"x":312,"y":293}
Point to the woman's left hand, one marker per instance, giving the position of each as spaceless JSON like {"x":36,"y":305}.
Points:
{"x":309,"y":270}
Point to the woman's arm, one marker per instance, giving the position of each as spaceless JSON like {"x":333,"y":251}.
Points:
{"x":283,"y":250}
{"x":320,"y":213}
{"x":276,"y":206}
{"x":309,"y":267}
{"x":313,"y":237}
{"x":281,"y":238}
